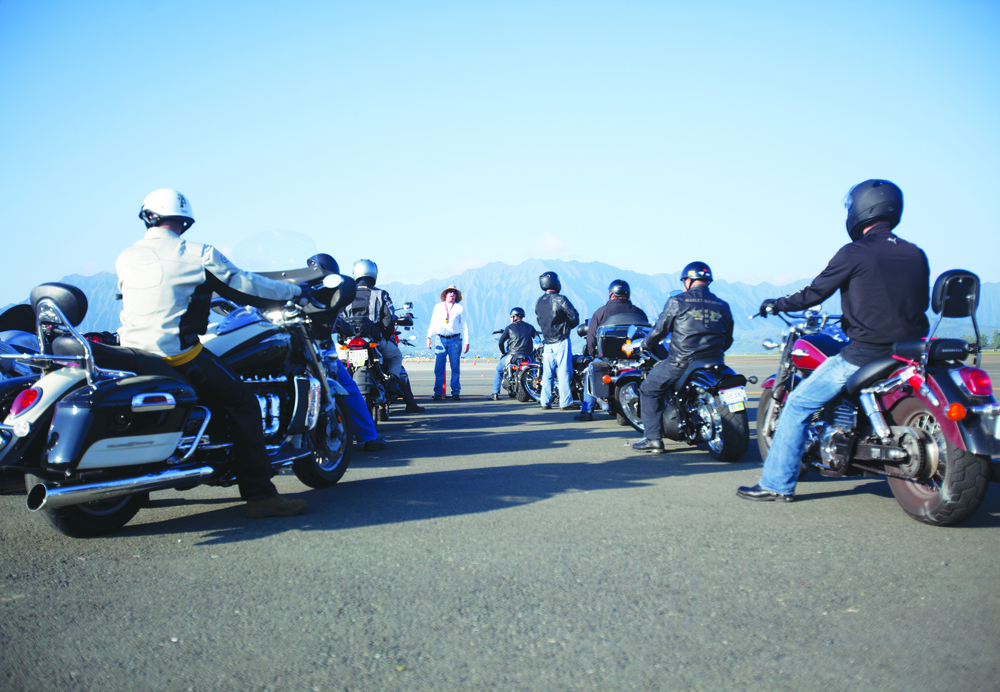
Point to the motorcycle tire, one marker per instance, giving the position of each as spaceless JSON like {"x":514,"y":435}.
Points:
{"x":372,"y":410}
{"x":522,"y":392}
{"x":726,"y":432}
{"x":627,"y":400}
{"x":622,"y":420}
{"x":330,"y":442}
{"x":94,"y":518}
{"x":531,"y":382}
{"x":956,"y":490}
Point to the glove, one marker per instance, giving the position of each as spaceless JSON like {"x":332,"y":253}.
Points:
{"x":307,"y":295}
{"x":767,"y":307}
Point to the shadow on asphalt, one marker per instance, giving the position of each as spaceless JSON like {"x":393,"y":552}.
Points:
{"x":474,"y":428}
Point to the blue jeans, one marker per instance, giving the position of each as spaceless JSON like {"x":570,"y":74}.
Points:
{"x":498,"y":377}
{"x":589,"y":400}
{"x":364,"y":426}
{"x":781,"y":468}
{"x":450,"y":349}
{"x":558,"y":359}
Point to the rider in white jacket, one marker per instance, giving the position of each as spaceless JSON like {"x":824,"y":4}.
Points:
{"x":166,"y":285}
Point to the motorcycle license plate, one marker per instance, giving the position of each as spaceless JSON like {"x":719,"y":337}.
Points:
{"x":358,"y":357}
{"x":734,"y":398}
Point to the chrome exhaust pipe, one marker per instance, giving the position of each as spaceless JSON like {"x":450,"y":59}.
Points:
{"x":42,"y":495}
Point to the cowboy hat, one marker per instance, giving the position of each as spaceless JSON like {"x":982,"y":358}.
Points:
{"x":458,"y":294}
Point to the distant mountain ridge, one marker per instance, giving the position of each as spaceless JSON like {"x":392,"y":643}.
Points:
{"x":490,"y":291}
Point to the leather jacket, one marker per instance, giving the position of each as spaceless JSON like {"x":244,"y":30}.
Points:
{"x":518,"y":339}
{"x":556,"y":317}
{"x":376,"y":305}
{"x":700,"y":325}
{"x":167,"y":283}
{"x":601,"y":315}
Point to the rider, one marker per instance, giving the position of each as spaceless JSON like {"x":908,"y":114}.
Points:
{"x":517,"y":339}
{"x":556,"y":318}
{"x":166,"y":284}
{"x":700,"y":325}
{"x":619,"y":294}
{"x":375,"y":304}
{"x":883,"y":282}
{"x":364,"y":425}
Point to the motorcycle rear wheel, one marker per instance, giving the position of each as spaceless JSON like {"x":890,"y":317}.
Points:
{"x":726,"y":432}
{"x":627,"y":398}
{"x":958,"y":487}
{"x":94,"y":518}
{"x":531,"y":383}
{"x":330,"y":441}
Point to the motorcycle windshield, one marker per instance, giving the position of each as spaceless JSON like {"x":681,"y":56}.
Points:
{"x":273,"y":251}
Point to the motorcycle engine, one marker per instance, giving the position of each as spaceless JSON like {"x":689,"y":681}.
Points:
{"x":835,"y":438}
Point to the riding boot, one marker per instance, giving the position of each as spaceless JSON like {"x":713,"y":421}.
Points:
{"x":411,"y":403}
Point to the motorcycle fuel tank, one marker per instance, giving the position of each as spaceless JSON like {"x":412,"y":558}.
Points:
{"x":809,"y":351}
{"x":246,"y":340}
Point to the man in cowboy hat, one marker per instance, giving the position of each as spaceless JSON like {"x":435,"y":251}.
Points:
{"x":449,"y":325}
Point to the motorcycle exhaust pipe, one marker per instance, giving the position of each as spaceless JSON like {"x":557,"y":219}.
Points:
{"x":42,"y":495}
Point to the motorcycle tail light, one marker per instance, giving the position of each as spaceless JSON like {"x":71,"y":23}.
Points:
{"x":24,"y":401}
{"x":356,"y":342}
{"x":978,"y":381}
{"x":956,"y":412}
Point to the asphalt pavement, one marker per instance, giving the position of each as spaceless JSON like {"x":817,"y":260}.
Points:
{"x":496,"y":546}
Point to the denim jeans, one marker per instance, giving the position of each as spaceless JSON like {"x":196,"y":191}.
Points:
{"x":589,"y":400}
{"x":558,"y":359}
{"x":451,"y":350}
{"x":498,"y":377}
{"x":364,"y":426}
{"x":781,"y":468}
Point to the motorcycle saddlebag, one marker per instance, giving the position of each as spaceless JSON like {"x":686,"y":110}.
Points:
{"x":126,"y":422}
{"x":598,"y":369}
{"x":671,"y":420}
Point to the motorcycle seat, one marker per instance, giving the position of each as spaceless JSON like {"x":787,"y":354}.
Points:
{"x":871,"y":373}
{"x":117,"y":357}
{"x":937,"y":349}
{"x":712,"y":363}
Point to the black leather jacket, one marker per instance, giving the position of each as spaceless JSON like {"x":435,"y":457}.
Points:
{"x":700,"y":325}
{"x":556,"y":317}
{"x":601,"y":315}
{"x":883,"y":282}
{"x":376,"y":305}
{"x":518,"y":339}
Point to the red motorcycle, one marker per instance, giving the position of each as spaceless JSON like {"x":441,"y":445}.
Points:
{"x":920,"y":417}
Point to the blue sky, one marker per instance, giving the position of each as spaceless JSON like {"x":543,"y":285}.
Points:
{"x":436,"y":136}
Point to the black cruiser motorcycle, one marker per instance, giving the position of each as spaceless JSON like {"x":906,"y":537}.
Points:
{"x":102,"y":427}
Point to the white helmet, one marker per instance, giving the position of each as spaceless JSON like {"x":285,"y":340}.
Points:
{"x":366,"y":268}
{"x":166,"y":204}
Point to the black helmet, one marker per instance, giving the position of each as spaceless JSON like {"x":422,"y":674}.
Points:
{"x":549,"y":281}
{"x":620,"y":288}
{"x":699,"y":271}
{"x":871,"y":201}
{"x":517,"y":312}
{"x":324,"y":262}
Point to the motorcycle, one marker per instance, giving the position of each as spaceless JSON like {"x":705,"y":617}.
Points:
{"x":611,"y":369}
{"x":708,"y":405}
{"x":920,"y":417}
{"x":362,"y":356}
{"x":523,"y":388}
{"x":105,"y":426}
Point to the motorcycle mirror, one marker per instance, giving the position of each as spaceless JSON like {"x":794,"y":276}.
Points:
{"x":332,"y":280}
{"x":768,"y":344}
{"x":752,"y":379}
{"x":407,"y":306}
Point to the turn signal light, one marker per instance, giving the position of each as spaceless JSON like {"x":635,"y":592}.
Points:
{"x":956,"y":412}
{"x":24,"y":401}
{"x":978,"y":381}
{"x":606,"y":379}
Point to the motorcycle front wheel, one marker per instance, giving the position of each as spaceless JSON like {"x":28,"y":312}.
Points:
{"x":767,"y":421}
{"x":627,"y":398}
{"x":330,"y":441}
{"x":531,"y":383}
{"x":956,"y":490}
{"x":725,"y":432}
{"x":94,"y":518}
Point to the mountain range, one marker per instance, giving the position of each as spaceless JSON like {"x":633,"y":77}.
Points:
{"x":489,"y":293}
